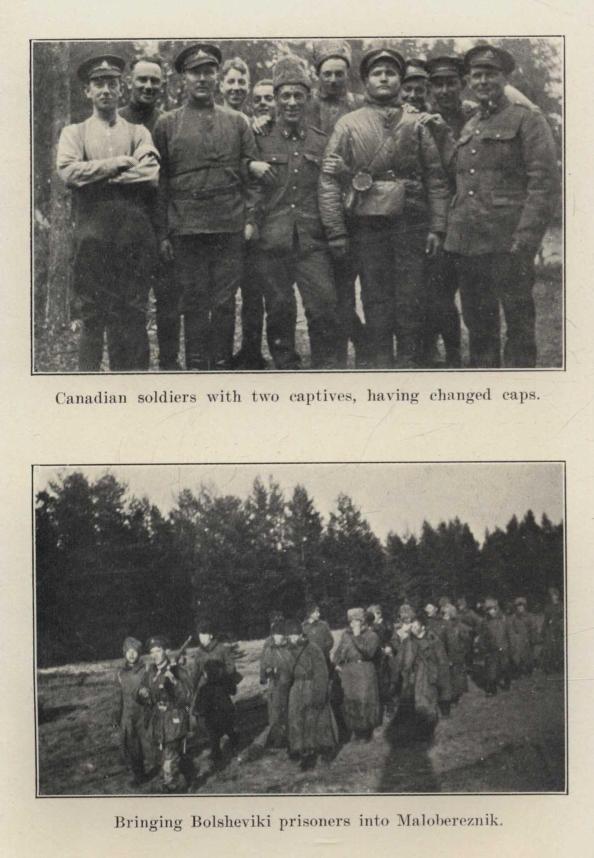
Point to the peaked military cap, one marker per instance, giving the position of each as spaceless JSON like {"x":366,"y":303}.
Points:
{"x":415,"y":68}
{"x":491,"y":57}
{"x":198,"y":54}
{"x":374,"y":55}
{"x":445,"y":66}
{"x":103,"y":65}
{"x":157,"y":641}
{"x":292,"y":627}
{"x":326,"y":49}
{"x":290,"y":70}
{"x":205,"y":626}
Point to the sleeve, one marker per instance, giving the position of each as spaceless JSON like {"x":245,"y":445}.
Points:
{"x":249,"y":150}
{"x":320,"y":677}
{"x":264,"y":663}
{"x":147,"y":168}
{"x":118,"y":706}
{"x":145,"y":683}
{"x":339,"y":655}
{"x":539,"y":156}
{"x":162,"y":203}
{"x":182,"y":689}
{"x":328,"y":639}
{"x":73,"y":168}
{"x":367,"y":644}
{"x":435,"y":181}
{"x":330,"y":187}
{"x":444,"y":683}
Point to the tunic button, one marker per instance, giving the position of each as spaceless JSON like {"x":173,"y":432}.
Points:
{"x":472,"y":170}
{"x":473,"y":151}
{"x":296,"y":153}
{"x":471,"y":193}
{"x":296,"y":170}
{"x":292,"y":205}
{"x":477,"y":131}
{"x":294,"y":187}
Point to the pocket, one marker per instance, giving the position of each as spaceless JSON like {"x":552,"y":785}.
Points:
{"x":508,"y":198}
{"x":277,"y":159}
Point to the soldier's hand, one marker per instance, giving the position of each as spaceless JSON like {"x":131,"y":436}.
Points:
{"x":124,"y":162}
{"x":519,"y":248}
{"x":166,"y":250}
{"x":250,"y":232}
{"x":334,"y":165}
{"x":169,"y":675}
{"x":433,"y":244}
{"x":261,"y":125}
{"x":339,"y":247}
{"x":144,"y":693}
{"x":262,"y":171}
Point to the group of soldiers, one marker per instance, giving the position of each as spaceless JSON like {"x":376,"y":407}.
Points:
{"x":320,"y":695}
{"x":414,"y":191}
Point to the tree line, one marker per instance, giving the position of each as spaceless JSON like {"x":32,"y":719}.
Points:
{"x":110,"y":564}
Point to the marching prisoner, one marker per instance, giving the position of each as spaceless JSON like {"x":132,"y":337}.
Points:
{"x":355,"y":661}
{"x":276,"y":672}
{"x":112,"y":167}
{"x":128,"y":714}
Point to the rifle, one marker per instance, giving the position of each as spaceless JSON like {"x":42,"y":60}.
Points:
{"x":181,"y":652}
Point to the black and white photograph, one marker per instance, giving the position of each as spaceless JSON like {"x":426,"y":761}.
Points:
{"x":300,"y":628}
{"x":283,"y":204}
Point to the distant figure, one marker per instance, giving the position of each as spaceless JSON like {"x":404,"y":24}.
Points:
{"x":317,"y":630}
{"x":553,"y":648}
{"x":494,"y":645}
{"x":355,"y":661}
{"x":312,"y":728}
{"x":455,"y":636}
{"x":128,"y":715}
{"x":523,"y":636}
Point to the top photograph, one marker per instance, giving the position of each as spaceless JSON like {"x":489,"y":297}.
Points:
{"x":267,"y":205}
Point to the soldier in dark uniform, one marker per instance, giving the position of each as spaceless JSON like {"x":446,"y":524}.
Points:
{"x":128,"y":715}
{"x":207,"y":155}
{"x":292,"y":246}
{"x":394,"y":211}
{"x":415,"y":84}
{"x":143,"y":109}
{"x":166,"y":689}
{"x":505,"y":182}
{"x":331,"y":100}
{"x":112,"y":168}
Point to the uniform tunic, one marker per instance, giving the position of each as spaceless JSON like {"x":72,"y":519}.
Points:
{"x":312,"y":727}
{"x":422,"y":665}
{"x":454,"y":636}
{"x":505,"y":186}
{"x":319,"y":633}
{"x":129,"y":716}
{"x":523,"y":637}
{"x":114,"y":237}
{"x":292,"y":246}
{"x":276,"y":671}
{"x":494,"y":644}
{"x":355,"y":657}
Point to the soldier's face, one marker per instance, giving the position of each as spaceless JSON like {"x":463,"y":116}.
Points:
{"x":157,"y":654}
{"x":146,"y":83}
{"x":278,"y":639}
{"x":487,"y":83}
{"x":446,"y":91}
{"x":294,"y":639}
{"x":204,"y":639}
{"x":520,"y":609}
{"x":104,"y":93}
{"x":291,"y":100}
{"x":234,"y":88}
{"x":263,"y":100}
{"x":417,"y":629}
{"x":315,"y":615}
{"x":132,"y":656}
{"x":201,"y":83}
{"x":383,"y":81}
{"x":333,"y":76}
{"x":414,"y":92}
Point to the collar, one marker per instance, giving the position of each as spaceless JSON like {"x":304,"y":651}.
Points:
{"x":333,"y":99}
{"x":485,"y":111}
{"x":143,"y":109}
{"x":109,"y":123}
{"x":292,"y":133}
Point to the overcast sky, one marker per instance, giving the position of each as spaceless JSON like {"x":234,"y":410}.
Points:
{"x":391,"y":496}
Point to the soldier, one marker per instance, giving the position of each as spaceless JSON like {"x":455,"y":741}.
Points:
{"x":234,"y":84}
{"x":523,"y":638}
{"x":494,"y":644}
{"x":553,"y":653}
{"x":505,"y":182}
{"x":455,"y":637}
{"x":415,"y":85}
{"x":276,"y":672}
{"x":128,"y":714}
{"x":146,"y":85}
{"x":317,"y":630}
{"x":207,"y":155}
{"x":355,"y":661}
{"x":263,"y":103}
{"x":111,"y":167}
{"x":166,"y":689}
{"x":291,"y":245}
{"x":332,"y":99}
{"x":394,"y":211}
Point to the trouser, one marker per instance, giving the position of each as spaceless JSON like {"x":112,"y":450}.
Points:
{"x":135,"y":745}
{"x":168,"y":316}
{"x":350,"y":326}
{"x":497,"y":672}
{"x":312,"y":271}
{"x":486,"y":282}
{"x":442,"y":315}
{"x":252,"y":313}
{"x":171,"y":756}
{"x":111,"y":285}
{"x":208,"y":270}
{"x":390,"y":258}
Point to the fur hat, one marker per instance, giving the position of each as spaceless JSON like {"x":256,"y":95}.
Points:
{"x":292,"y":627}
{"x":356,"y":614}
{"x":290,"y":71}
{"x":326,"y":49}
{"x":132,"y":643}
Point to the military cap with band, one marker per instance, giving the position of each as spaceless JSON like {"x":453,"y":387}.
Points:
{"x":104,"y":65}
{"x":445,"y":66}
{"x":327,"y":49}
{"x":374,"y":55}
{"x":290,"y":71}
{"x":415,"y":69}
{"x":157,"y":641}
{"x":198,"y":54}
{"x":488,"y":56}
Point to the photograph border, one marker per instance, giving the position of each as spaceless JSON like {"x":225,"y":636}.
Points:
{"x":291,"y":373}
{"x":341,"y":795}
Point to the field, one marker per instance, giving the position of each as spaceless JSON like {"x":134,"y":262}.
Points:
{"x":513,"y":742}
{"x":58,"y":352}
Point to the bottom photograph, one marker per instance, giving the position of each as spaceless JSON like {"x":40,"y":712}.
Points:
{"x":319,"y":628}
